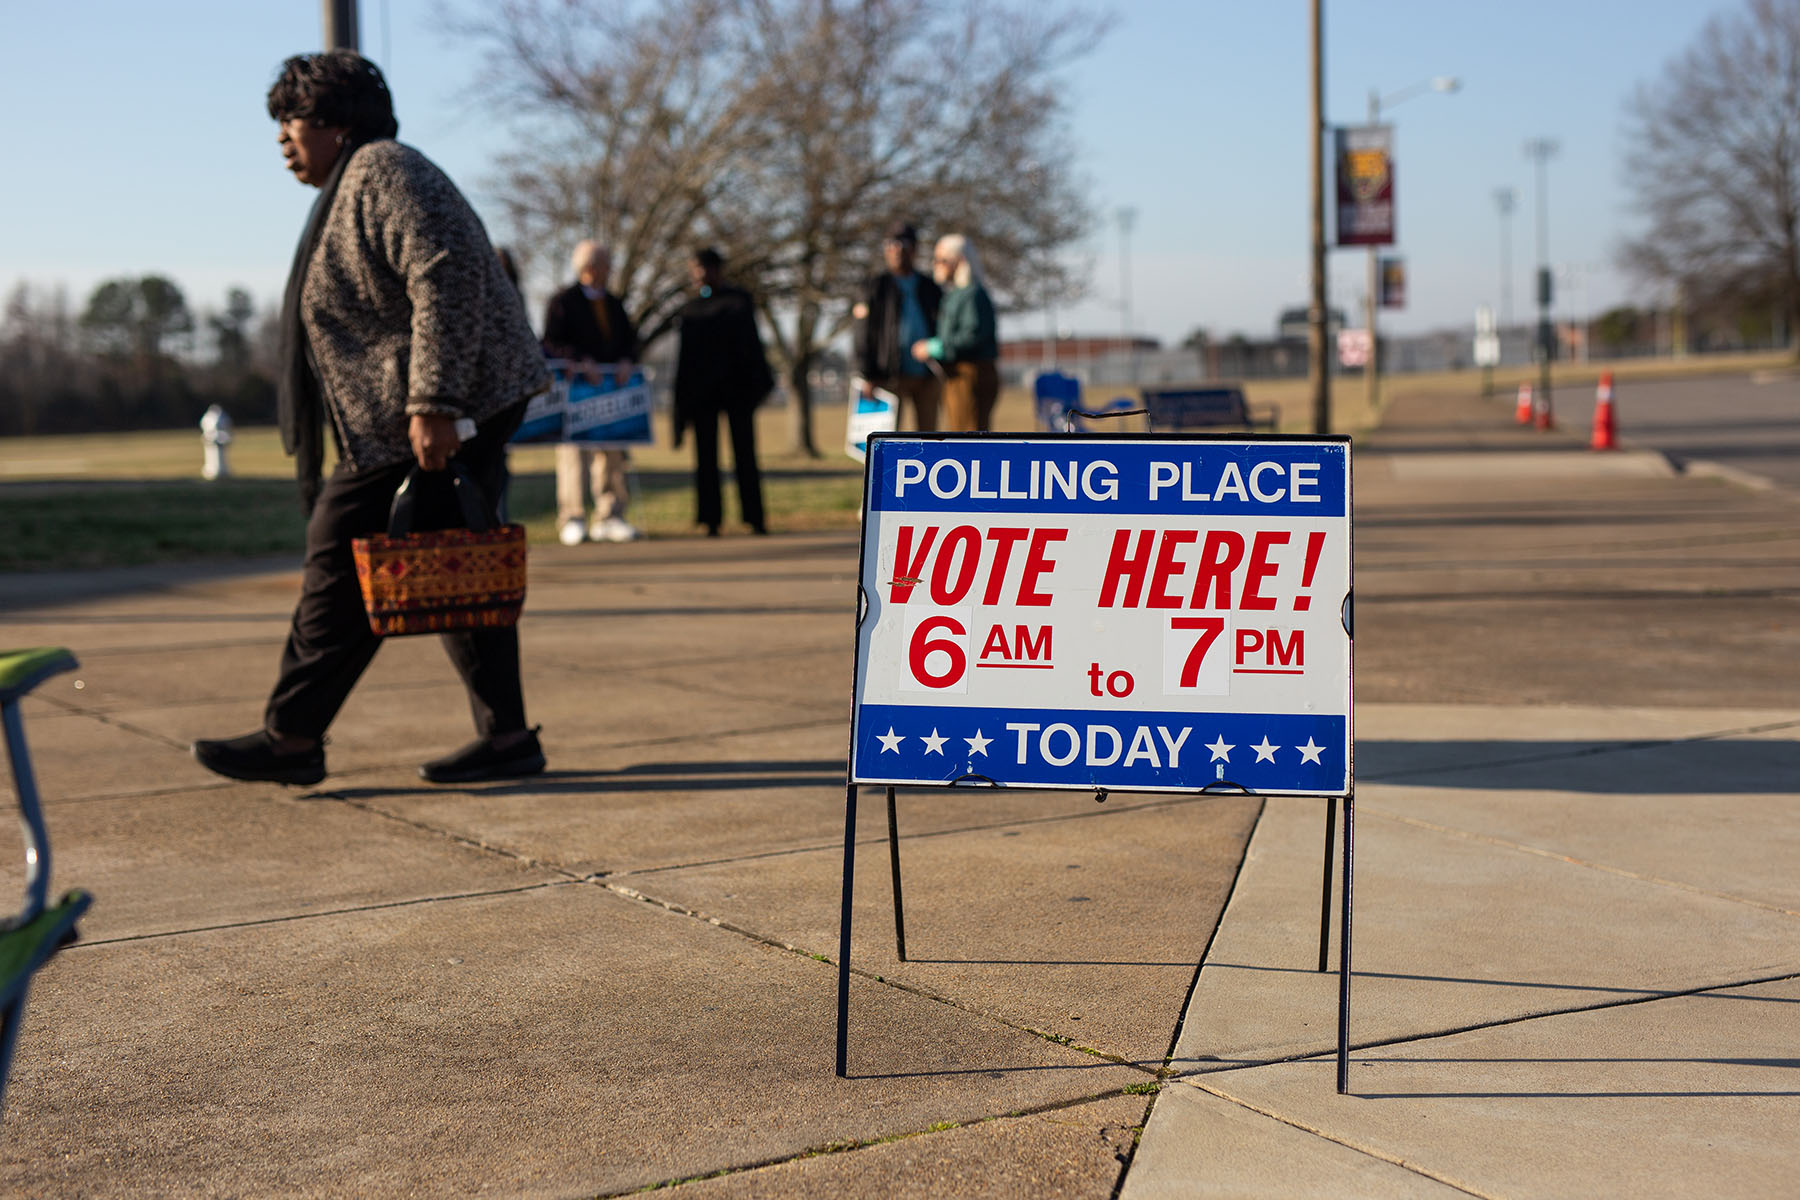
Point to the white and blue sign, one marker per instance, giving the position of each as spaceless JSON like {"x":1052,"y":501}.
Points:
{"x":1134,"y":613}
{"x":590,"y":406}
{"x":878,"y":412}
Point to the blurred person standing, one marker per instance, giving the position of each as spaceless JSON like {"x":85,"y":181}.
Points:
{"x":899,"y":307}
{"x":401,"y":334}
{"x":967,"y":341}
{"x":721,"y":370}
{"x":586,"y":324}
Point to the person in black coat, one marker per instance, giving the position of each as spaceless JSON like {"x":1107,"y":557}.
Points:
{"x":587,"y":325}
{"x":720,"y":368}
{"x":898,"y":307}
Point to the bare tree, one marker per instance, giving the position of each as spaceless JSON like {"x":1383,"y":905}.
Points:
{"x":1713,"y":157}
{"x":789,"y":133}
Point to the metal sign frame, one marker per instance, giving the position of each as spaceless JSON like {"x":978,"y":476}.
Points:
{"x":1265,"y":448}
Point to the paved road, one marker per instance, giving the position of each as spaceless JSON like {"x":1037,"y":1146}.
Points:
{"x":1735,"y":420}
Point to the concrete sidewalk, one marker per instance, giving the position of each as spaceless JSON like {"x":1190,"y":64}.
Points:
{"x":1578,"y":924}
{"x":1577,"y":731}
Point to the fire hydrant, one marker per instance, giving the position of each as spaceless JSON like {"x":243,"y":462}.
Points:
{"x":215,"y":435}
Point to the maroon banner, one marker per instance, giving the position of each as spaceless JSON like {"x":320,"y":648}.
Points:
{"x":1393,"y":283}
{"x":1365,"y":185}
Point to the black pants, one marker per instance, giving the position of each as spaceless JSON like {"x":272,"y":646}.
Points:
{"x":330,"y":645}
{"x":709,"y":504}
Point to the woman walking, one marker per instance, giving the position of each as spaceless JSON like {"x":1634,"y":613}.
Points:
{"x":399,"y":330}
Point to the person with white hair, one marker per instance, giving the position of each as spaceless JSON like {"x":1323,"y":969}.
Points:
{"x":587,"y":325}
{"x":967,"y":342}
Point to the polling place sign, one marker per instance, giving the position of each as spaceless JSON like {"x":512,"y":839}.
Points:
{"x":1126,"y":612}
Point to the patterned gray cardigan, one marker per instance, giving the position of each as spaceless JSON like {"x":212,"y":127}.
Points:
{"x":406,"y":309}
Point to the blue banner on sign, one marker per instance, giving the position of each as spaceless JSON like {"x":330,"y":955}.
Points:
{"x":1128,"y":751}
{"x":1178,"y":476}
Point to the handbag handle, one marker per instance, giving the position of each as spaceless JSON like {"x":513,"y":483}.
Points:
{"x":474,"y":510}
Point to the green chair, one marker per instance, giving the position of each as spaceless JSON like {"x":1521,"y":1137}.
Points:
{"x":28,"y":940}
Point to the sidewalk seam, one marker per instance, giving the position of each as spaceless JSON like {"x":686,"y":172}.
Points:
{"x":1187,"y":1000}
{"x":287,"y":918}
{"x":1366,"y":1151}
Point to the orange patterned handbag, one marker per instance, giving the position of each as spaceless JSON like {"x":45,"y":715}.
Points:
{"x":445,"y":580}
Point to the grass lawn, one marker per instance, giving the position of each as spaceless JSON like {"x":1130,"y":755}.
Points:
{"x":117,"y":499}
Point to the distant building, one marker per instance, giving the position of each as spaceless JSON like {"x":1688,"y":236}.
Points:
{"x":1028,"y":353}
{"x":1294,"y":324}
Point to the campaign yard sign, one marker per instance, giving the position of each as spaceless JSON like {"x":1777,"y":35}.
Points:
{"x":1126,"y":612}
{"x":597,"y":411}
{"x":878,"y":412}
{"x":609,"y":412}
{"x":543,"y":420}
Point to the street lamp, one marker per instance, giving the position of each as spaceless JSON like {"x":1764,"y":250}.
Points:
{"x":1540,"y":151}
{"x":1503,"y":200}
{"x":1127,"y":219}
{"x":1372,"y":372}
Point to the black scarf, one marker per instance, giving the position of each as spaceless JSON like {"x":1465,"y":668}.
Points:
{"x":298,"y":403}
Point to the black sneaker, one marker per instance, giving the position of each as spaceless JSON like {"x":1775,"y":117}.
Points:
{"x":253,"y":757}
{"x":479,"y":760}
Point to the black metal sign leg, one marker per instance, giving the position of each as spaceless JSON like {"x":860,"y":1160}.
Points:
{"x":1325,"y":890}
{"x":1343,"y":1063}
{"x":843,"y":1013}
{"x":894,"y":861}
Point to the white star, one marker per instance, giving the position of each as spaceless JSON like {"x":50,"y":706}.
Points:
{"x":1309,"y":753}
{"x":890,"y":741}
{"x":1220,"y":751}
{"x":1266,"y":752}
{"x":978,"y":744}
{"x":934,"y":744}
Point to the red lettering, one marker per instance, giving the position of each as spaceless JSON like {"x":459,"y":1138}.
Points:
{"x":1223,"y":551}
{"x":964,"y":538}
{"x":1040,"y":648}
{"x":1036,"y":564}
{"x":1260,"y":569}
{"x":1003,"y":540}
{"x":1131,"y":567}
{"x":996,"y":643}
{"x":1293,"y":651}
{"x":1167,"y":568}
{"x":908,"y":572}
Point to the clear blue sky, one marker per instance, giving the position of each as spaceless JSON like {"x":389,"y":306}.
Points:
{"x":138,"y":143}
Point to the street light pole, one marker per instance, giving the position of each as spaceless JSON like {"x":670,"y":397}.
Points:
{"x":1503,"y":200}
{"x":340,"y":24}
{"x":1318,"y":366}
{"x":1372,"y":371}
{"x":1540,"y":151}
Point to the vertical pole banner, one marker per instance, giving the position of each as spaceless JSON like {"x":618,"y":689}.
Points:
{"x":1125,"y":612}
{"x":1365,"y":185}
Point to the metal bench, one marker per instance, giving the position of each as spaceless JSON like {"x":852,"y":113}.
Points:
{"x":30,"y":938}
{"x":1222,"y":407}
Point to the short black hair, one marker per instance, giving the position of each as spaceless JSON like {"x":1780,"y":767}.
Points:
{"x":336,"y":88}
{"x":709,"y":258}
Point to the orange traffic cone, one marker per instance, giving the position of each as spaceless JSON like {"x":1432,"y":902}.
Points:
{"x":1522,"y":414}
{"x":1541,"y":412}
{"x":1606,"y":432}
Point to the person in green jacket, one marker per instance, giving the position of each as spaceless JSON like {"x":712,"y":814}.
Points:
{"x":967,"y":343}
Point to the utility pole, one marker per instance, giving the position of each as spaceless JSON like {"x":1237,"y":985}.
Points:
{"x":340,"y":24}
{"x":1318,"y":365}
{"x":1540,"y":151}
{"x":1503,"y":200}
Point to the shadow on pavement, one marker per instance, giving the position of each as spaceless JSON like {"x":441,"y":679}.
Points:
{"x":1695,"y":768}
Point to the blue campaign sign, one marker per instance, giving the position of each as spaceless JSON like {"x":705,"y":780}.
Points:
{"x":1127,"y":612}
